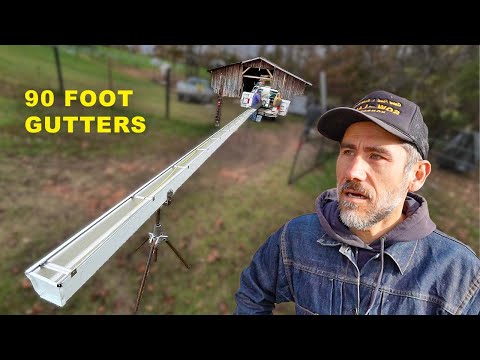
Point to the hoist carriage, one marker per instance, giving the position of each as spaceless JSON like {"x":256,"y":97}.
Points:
{"x":267,"y":109}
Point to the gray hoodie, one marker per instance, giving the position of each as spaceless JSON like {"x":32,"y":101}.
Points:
{"x":416,"y":225}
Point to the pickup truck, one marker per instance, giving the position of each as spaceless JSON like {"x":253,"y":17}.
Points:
{"x":268,"y":96}
{"x":195,"y":89}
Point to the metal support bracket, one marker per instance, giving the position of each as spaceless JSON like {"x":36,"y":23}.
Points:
{"x":155,"y":238}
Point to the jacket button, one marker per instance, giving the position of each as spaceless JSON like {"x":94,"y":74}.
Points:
{"x":355,"y":311}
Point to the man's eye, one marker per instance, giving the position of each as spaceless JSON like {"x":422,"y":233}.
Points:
{"x":375,"y":157}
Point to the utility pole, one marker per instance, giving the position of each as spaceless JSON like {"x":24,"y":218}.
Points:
{"x":323,"y":91}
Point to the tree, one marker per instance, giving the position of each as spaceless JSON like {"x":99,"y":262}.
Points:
{"x":171,"y":53}
{"x":442,"y":79}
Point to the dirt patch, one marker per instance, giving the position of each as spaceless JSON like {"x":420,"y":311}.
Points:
{"x":237,"y":175}
{"x":90,"y":201}
{"x":248,"y":151}
{"x":147,"y":74}
{"x":112,"y":183}
{"x":8,"y":90}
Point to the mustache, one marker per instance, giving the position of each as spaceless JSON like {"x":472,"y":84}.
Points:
{"x":355,"y":186}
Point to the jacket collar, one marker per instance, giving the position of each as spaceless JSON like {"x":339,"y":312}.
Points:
{"x":400,"y":252}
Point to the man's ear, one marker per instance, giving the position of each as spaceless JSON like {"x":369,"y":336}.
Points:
{"x":420,"y":172}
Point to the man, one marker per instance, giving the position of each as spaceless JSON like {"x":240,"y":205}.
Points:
{"x":256,"y":99}
{"x":277,"y":101}
{"x":371,"y":247}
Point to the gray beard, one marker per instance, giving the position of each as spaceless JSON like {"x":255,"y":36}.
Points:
{"x":350,"y":217}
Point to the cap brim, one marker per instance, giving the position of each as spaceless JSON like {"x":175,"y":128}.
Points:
{"x":335,"y":122}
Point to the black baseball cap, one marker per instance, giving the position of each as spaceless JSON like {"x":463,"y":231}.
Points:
{"x":395,"y":114}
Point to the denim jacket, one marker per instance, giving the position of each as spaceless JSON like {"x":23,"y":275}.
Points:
{"x":302,"y":263}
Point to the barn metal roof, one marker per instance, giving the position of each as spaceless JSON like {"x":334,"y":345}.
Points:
{"x":267,"y":61}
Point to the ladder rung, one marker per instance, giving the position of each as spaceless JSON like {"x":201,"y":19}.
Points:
{"x":57,"y":268}
{"x":144,"y":197}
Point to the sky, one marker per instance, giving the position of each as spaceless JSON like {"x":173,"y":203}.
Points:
{"x":243,"y":51}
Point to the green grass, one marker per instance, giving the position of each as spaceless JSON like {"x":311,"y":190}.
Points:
{"x":319,"y":179}
{"x":119,"y":56}
{"x":86,"y":72}
{"x":52,"y":185}
{"x":454,"y":212}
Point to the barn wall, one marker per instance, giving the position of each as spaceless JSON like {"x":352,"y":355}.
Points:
{"x":231,"y":79}
{"x":287,"y":85}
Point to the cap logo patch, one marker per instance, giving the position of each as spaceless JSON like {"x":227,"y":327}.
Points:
{"x":382,"y":106}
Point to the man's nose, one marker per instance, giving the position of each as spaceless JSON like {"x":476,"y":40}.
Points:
{"x":356,"y":169}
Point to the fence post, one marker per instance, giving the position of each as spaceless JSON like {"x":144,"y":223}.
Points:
{"x":109,"y":73}
{"x":167,"y":92}
{"x":59,"y":68}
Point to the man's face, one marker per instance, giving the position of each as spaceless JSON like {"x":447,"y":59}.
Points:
{"x":371,"y":182}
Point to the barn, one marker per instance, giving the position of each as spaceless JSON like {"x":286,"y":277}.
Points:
{"x":233,"y":79}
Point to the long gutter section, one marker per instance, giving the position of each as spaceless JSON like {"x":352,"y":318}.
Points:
{"x":59,"y":274}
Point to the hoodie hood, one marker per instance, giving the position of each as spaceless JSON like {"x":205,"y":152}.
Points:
{"x":416,"y":225}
